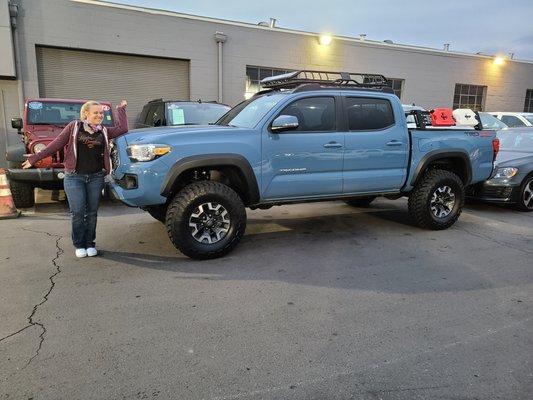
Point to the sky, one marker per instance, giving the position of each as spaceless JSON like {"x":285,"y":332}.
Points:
{"x":487,"y":26}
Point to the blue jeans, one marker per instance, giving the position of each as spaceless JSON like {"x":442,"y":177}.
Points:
{"x":83,"y":193}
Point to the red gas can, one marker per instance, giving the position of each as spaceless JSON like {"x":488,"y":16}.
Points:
{"x":442,"y":117}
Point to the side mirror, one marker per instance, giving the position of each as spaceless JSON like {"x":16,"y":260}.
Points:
{"x":16,"y":123}
{"x":284,"y":123}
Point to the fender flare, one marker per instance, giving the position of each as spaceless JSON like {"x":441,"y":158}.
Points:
{"x":213,"y":160}
{"x":436,"y":155}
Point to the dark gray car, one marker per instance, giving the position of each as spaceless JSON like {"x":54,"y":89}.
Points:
{"x":512,"y":180}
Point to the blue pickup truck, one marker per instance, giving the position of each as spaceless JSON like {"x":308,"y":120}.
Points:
{"x":308,"y":137}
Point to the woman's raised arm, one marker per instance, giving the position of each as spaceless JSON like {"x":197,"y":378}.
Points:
{"x":121,"y":126}
{"x":53,"y":147}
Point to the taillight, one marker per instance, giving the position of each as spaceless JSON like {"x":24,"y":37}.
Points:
{"x":495,"y":147}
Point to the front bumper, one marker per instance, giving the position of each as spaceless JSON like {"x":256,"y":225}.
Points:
{"x":494,"y":192}
{"x":145,"y":180}
{"x":36,"y":175}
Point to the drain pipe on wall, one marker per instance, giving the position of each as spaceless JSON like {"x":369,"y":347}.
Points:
{"x":13,"y":14}
{"x":220,"y":38}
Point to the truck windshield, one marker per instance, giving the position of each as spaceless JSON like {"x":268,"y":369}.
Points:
{"x":59,"y":113}
{"x":248,"y":113}
{"x":195,"y":114}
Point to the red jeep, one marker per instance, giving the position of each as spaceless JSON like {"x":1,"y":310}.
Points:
{"x":42,"y":121}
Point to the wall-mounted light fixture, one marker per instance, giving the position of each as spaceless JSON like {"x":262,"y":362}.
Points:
{"x":499,"y":60}
{"x":325,"y":39}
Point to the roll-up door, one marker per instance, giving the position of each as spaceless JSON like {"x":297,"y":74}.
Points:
{"x":78,"y":74}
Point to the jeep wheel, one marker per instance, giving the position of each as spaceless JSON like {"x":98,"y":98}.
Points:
{"x":360,"y":201}
{"x":23,"y":194}
{"x":525,"y":196}
{"x":437,"y":200}
{"x":206,"y":220}
{"x":159,"y":212}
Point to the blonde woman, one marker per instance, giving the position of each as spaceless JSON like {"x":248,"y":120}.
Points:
{"x":87,"y":162}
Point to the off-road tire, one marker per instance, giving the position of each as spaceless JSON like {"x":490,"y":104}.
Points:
{"x":420,"y":199}
{"x":184,"y":204}
{"x":360,"y":201}
{"x":521,"y":203}
{"x":23,"y":194}
{"x":159,"y":212}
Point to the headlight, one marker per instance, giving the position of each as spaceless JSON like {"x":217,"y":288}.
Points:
{"x":147,"y":152}
{"x":505,"y":173}
{"x":39,"y":147}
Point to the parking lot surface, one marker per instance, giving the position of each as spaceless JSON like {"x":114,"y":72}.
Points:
{"x":319,"y":301}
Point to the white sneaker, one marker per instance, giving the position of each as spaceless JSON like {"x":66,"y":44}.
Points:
{"x":80,"y":253}
{"x":91,"y":252}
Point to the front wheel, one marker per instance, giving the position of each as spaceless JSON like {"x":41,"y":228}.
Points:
{"x":525,"y":196}
{"x":206,"y":220}
{"x":437,"y":200}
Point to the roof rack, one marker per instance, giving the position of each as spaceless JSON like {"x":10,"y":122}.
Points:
{"x":325,"y":78}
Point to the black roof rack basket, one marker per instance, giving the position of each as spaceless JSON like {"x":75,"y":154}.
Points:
{"x":325,"y":78}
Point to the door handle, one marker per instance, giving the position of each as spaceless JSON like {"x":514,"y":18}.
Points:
{"x":331,"y":145}
{"x":394,"y":143}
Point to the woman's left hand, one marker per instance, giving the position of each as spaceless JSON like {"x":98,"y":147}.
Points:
{"x":123,"y":103}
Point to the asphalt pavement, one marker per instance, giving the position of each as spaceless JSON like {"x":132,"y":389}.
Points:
{"x":319,"y":301}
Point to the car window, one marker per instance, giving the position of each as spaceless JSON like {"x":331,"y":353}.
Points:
{"x":155,"y":115}
{"x":365,"y":114}
{"x":144,"y":114}
{"x":315,"y":114}
{"x":195,"y":113}
{"x":491,"y":122}
{"x":512,"y":121}
{"x":60,"y":113}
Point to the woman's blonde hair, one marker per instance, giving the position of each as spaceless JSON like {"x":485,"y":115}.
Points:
{"x":85,"y":108}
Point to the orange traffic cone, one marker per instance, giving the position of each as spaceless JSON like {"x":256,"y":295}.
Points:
{"x":7,"y":206}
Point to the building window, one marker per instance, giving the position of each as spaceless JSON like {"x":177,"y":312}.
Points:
{"x":396,"y":85}
{"x":254,"y":75}
{"x":528,"y":105}
{"x":469,"y":96}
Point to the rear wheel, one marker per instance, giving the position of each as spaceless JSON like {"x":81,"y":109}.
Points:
{"x":23,"y":194}
{"x":525,"y":196}
{"x":360,"y":201}
{"x":206,"y":220}
{"x":437,"y":200}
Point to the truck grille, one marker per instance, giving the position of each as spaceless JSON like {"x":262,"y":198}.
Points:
{"x":490,"y":192}
{"x":496,"y":192}
{"x":115,"y":160}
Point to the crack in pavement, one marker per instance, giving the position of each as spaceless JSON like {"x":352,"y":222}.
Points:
{"x":31,"y":321}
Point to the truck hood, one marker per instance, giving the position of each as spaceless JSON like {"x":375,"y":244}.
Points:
{"x":512,"y":158}
{"x":161,"y":134}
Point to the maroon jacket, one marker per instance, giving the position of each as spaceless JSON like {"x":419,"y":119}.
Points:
{"x":68,"y":136}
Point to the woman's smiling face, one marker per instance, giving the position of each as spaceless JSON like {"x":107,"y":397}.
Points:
{"x":95,"y":115}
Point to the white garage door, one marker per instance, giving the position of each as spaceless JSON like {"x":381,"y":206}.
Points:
{"x":74,"y":74}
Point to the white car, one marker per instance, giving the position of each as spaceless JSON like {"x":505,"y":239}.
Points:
{"x":515,"y":119}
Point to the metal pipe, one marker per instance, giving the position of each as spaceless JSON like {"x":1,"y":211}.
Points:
{"x":13,"y":13}
{"x":220,"y":38}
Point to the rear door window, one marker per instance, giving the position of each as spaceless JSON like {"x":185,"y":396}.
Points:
{"x":367,"y":114}
{"x":512,"y":121}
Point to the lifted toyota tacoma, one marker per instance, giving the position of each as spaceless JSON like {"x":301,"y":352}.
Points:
{"x":308,"y":137}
